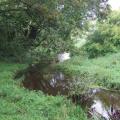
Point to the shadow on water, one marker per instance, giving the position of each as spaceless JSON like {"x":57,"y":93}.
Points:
{"x":47,"y":80}
{"x":105,"y":103}
{"x":100,"y":102}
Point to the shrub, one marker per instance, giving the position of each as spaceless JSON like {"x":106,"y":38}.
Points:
{"x":105,"y":39}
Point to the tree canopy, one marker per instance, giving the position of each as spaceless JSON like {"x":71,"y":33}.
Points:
{"x":106,"y":37}
{"x":42,"y":28}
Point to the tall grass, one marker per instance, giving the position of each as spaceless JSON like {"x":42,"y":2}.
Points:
{"x":17,"y":103}
{"x":103,"y":71}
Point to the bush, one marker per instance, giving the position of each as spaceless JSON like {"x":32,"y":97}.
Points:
{"x":105,"y":39}
{"x":96,"y":49}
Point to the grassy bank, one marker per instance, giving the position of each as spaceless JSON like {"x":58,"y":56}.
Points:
{"x":17,"y":103}
{"x":104,"y":71}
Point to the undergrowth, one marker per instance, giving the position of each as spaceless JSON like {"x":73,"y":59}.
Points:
{"x":103,"y":71}
{"x":18,"y":103}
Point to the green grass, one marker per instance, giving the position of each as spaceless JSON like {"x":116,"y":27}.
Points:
{"x":105,"y":71}
{"x":17,"y":103}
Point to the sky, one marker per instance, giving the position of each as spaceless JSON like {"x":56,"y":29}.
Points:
{"x":115,"y":4}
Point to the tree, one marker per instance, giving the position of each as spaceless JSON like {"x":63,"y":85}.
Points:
{"x":41,"y":28}
{"x":106,"y":37}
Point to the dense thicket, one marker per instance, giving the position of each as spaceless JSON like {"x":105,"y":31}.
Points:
{"x":42,"y":28}
{"x":106,"y":38}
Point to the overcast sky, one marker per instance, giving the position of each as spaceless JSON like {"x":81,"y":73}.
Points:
{"x":115,"y":4}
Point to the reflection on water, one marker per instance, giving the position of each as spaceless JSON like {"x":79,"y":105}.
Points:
{"x":50,"y":83}
{"x":55,"y":78}
{"x":98,"y":107}
{"x":104,"y":103}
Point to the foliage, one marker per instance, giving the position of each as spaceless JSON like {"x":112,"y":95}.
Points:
{"x":106,"y":37}
{"x":40,"y":28}
{"x":101,"y":71}
{"x":114,"y":18}
{"x":17,"y":103}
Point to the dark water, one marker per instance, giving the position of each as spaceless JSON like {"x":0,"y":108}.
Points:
{"x":51,"y":84}
{"x":104,"y":103}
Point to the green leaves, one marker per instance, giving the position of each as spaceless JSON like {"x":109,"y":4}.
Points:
{"x":17,"y":103}
{"x":106,"y":37}
{"x":41,"y":24}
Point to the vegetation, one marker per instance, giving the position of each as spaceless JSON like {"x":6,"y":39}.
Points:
{"x":34,"y":32}
{"x":34,"y":29}
{"x":17,"y":103}
{"x":106,"y":38}
{"x":101,"y":71}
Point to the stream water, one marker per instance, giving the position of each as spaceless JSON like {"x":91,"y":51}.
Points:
{"x":104,"y":103}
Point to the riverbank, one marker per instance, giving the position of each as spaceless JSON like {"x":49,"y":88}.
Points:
{"x":102,"y":71}
{"x":17,"y":103}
